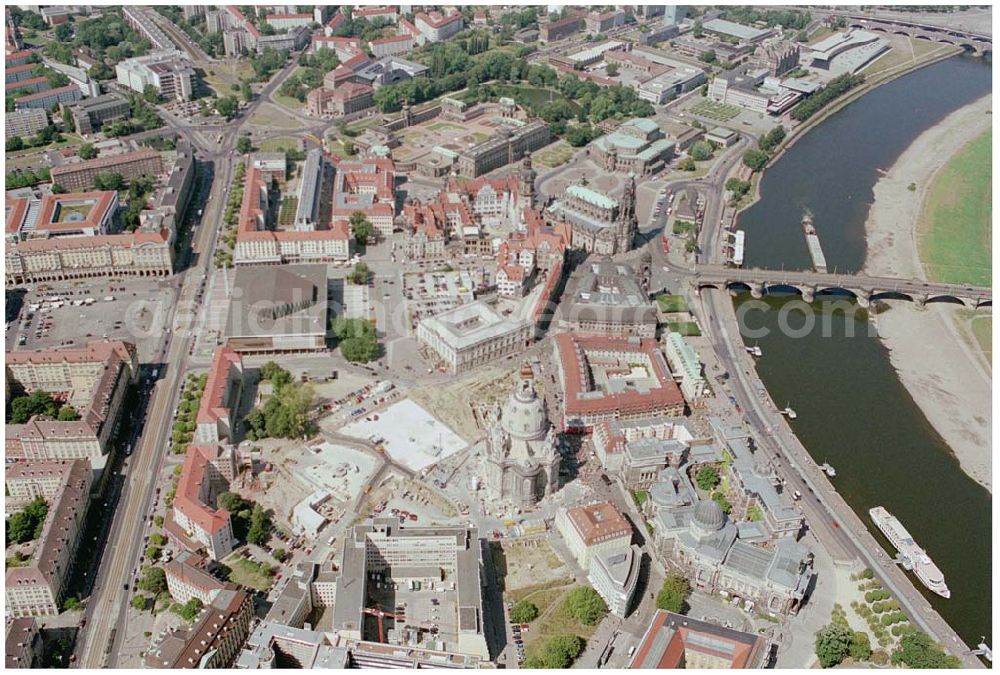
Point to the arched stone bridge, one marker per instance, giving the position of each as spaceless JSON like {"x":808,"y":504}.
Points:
{"x":860,"y":286}
{"x":972,"y":41}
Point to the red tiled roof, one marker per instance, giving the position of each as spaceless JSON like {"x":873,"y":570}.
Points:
{"x":47,"y":92}
{"x":25,"y":84}
{"x":188,"y":498}
{"x":391,"y":38}
{"x":436,"y":19}
{"x":599,"y":522}
{"x":23,"y":54}
{"x":103,"y":201}
{"x":212,"y":399}
{"x":571,"y":347}
{"x":740,"y":649}
{"x":272,"y":17}
{"x":17,"y":208}
{"x":376,"y":10}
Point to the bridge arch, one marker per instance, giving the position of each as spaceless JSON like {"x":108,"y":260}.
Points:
{"x":781,"y":288}
{"x":945,"y":298}
{"x":836,"y":291}
{"x":984,"y":303}
{"x":891,"y":295}
{"x":738,"y":287}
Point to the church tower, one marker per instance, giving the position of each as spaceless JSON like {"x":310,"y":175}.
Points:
{"x":526,"y":183}
{"x":628,"y":224}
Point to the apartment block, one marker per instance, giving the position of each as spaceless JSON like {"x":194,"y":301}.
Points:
{"x":80,"y":175}
{"x":37,"y":588}
{"x":25,"y":123}
{"x":93,"y":381}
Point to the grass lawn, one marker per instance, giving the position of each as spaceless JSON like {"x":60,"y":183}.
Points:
{"x":289,"y":102}
{"x":672,"y":303}
{"x":982,"y":328}
{"x":220,"y":76}
{"x":716,"y":111}
{"x":953,"y":234}
{"x":821,"y":34}
{"x":271,"y":116}
{"x":685,"y":328}
{"x":286,"y":214}
{"x":278,"y":144}
{"x":556,"y":154}
{"x":898,"y":56}
{"x":248,"y":573}
{"x":553,"y":620}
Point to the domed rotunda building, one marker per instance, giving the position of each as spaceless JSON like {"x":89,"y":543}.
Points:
{"x":521,"y":463}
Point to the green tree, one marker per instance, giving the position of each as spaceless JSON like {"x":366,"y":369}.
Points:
{"x":723,"y":502}
{"x":227,"y":106}
{"x":153,"y":580}
{"x":917,"y":650}
{"x":39,"y":402}
{"x":861,"y":648}
{"x":523,"y":612}
{"x":87,"y":151}
{"x":139,"y":602}
{"x":189,"y":610}
{"x":359,"y":275}
{"x":279,"y":554}
{"x":275,"y":374}
{"x":700,"y":151}
{"x":153,"y":552}
{"x":358,"y":340}
{"x":585,"y":605}
{"x":755,"y":159}
{"x":259,"y":526}
{"x":230,"y":501}
{"x":772,"y":139}
{"x":686,"y":164}
{"x":560,"y":651}
{"x":67,"y":414}
{"x":15,"y":143}
{"x":707,"y":477}
{"x":150,"y":94}
{"x":26,"y":524}
{"x":244,"y":145}
{"x":738,"y":188}
{"x":612,"y":69}
{"x":109,"y":181}
{"x":833,"y":643}
{"x":71,"y":603}
{"x":673,"y":595}
{"x":361,"y":228}
{"x":157,"y":539}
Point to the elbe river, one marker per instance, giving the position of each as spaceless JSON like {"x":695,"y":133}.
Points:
{"x":853,"y":412}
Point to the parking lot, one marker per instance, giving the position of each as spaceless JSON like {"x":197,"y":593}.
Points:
{"x":70,"y":314}
{"x":430,"y":293}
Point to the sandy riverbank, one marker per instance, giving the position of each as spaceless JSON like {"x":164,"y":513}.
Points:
{"x":948,"y":378}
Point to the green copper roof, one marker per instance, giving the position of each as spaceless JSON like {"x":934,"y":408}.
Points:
{"x":591,"y":197}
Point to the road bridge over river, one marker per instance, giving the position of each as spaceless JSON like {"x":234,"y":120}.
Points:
{"x":979,"y":44}
{"x":862,"y":287}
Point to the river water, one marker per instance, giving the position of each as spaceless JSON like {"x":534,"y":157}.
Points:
{"x":853,"y":412}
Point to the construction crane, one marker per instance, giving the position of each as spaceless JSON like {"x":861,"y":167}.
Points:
{"x":380,"y":615}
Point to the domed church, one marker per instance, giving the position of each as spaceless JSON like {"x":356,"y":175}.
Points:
{"x":522,"y":458}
